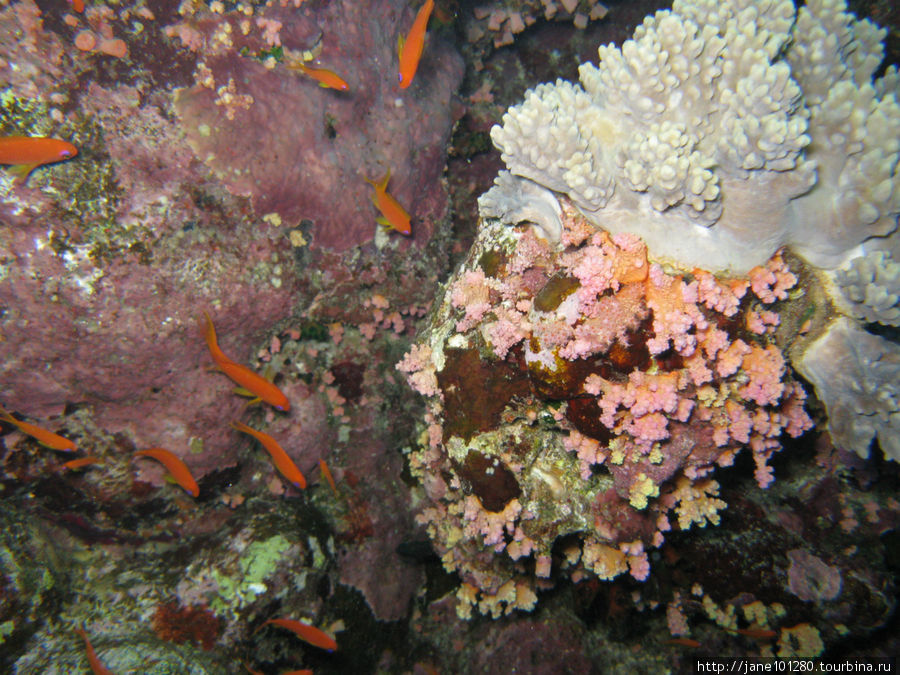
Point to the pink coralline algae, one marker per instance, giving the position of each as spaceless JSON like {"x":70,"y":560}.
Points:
{"x":579,"y":402}
{"x":208,"y":178}
{"x":811,"y":579}
{"x":303,"y":152}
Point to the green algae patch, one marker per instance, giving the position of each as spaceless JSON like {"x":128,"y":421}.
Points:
{"x":259,"y":561}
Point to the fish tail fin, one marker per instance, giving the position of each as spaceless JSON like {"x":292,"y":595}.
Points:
{"x":377,"y":183}
{"x":380,"y":183}
{"x":239,"y":426}
{"x":23,"y":171}
{"x":209,"y":329}
{"x":209,"y":332}
{"x":6,"y":416}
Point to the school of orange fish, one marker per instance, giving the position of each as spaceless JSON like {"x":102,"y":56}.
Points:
{"x":26,"y":153}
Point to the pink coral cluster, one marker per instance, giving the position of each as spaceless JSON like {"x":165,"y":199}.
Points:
{"x":590,"y":390}
{"x":502,"y":24}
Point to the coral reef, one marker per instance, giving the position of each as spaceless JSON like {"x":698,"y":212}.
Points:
{"x":503,"y":21}
{"x":30,"y":578}
{"x":625,"y":322}
{"x":597,"y":419}
{"x":694,"y":117}
{"x":857,"y":375}
{"x":586,"y":396}
{"x":315,"y":141}
{"x":108,"y":263}
{"x":246,"y":200}
{"x":676,"y":135}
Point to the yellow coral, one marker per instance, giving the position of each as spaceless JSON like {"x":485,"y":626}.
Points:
{"x":526,"y":598}
{"x":723,"y":617}
{"x":467,"y":595}
{"x":493,"y":604}
{"x":605,"y":561}
{"x":802,"y":641}
{"x":697,"y":502}
{"x":756,"y":613}
{"x":642,"y":488}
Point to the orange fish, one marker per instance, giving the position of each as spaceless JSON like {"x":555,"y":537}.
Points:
{"x":251,"y":671}
{"x":280,"y":458}
{"x":683,"y":642}
{"x":27,"y":153}
{"x":176,"y":467}
{"x":42,"y":436}
{"x":243,"y":376}
{"x":77,"y":5}
{"x":392,"y":214}
{"x":326,"y":78}
{"x":323,"y":467}
{"x":97,"y":667}
{"x":307,"y":633}
{"x":410,"y":49}
{"x":755,"y":633}
{"x":81,"y":462}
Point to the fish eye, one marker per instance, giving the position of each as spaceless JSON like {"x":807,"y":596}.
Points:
{"x":65,"y":154}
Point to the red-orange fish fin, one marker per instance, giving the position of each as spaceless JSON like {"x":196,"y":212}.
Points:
{"x":326,"y":472}
{"x":209,"y":330}
{"x":6,"y":416}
